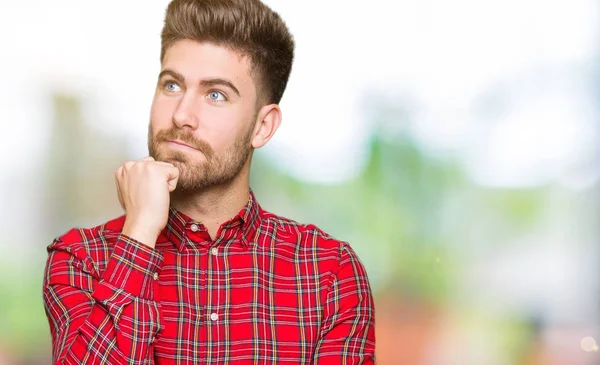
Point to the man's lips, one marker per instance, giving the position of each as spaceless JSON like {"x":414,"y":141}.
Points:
{"x":179,"y":143}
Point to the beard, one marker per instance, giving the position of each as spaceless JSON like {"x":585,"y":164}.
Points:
{"x":199,"y":174}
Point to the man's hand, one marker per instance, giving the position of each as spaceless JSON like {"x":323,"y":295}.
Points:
{"x":143,"y":187}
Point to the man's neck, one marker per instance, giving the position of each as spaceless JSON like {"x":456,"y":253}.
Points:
{"x":214,"y":205}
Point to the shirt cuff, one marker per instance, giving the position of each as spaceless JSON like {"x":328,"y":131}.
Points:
{"x":133,"y":267}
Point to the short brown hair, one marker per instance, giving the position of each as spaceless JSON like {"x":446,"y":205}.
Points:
{"x":247,"y":26}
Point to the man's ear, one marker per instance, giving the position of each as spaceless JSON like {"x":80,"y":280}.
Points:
{"x":267,"y":122}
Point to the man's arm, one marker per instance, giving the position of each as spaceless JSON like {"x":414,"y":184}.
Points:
{"x":348,"y":331}
{"x":102,"y":318}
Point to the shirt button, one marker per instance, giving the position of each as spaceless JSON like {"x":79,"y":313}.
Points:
{"x":214,"y":251}
{"x":155,"y":276}
{"x":194,"y":227}
{"x":214,"y":317}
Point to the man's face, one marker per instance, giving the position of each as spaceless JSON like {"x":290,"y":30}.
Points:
{"x":203,"y":113}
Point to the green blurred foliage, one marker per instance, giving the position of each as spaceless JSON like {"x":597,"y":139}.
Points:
{"x":23,"y":324}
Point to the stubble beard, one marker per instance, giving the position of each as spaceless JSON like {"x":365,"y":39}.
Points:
{"x":213,"y":170}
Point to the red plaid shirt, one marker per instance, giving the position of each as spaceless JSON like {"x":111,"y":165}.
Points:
{"x":267,"y":290}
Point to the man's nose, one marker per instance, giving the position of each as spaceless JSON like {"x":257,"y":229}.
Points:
{"x":186,"y":114}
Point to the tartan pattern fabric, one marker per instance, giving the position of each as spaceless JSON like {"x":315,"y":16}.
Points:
{"x":267,"y":290}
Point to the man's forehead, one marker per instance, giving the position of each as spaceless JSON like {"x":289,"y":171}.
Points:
{"x":191,"y":58}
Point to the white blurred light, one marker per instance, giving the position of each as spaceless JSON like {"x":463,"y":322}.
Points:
{"x":536,"y":142}
{"x":588,"y":344}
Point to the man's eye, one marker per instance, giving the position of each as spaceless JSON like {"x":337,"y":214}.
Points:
{"x":172,"y":86}
{"x":216,"y":96}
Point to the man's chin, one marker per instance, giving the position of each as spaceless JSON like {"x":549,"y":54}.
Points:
{"x":189,"y":186}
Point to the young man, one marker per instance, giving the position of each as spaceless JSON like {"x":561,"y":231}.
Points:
{"x":196,"y":272}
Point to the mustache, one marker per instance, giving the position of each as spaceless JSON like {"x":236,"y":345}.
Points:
{"x":166,"y":135}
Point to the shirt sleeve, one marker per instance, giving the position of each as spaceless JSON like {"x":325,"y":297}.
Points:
{"x":347,"y":333}
{"x":102,"y":318}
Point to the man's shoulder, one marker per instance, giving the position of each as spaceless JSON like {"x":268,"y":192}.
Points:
{"x":301,"y":235}
{"x":90,"y":239}
{"x":298,"y":241}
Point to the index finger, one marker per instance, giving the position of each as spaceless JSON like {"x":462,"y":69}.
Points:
{"x":172,"y":176}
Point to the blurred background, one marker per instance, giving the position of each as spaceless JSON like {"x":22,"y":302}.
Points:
{"x":454,"y":144}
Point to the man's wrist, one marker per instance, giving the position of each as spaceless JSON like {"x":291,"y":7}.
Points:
{"x":140,"y":232}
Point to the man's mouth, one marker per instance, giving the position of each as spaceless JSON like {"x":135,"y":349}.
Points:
{"x":180,"y":144}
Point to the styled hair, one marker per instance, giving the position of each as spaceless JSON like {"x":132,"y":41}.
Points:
{"x":246,"y":26}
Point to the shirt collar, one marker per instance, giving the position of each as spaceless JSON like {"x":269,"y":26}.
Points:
{"x":243,"y":225}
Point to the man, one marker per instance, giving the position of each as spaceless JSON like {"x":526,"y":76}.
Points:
{"x":196,"y":272}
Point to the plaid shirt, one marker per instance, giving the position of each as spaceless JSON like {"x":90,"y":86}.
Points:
{"x":267,"y":290}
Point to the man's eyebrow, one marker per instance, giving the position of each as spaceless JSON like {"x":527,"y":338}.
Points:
{"x":205,"y":83}
{"x":222,"y":82}
{"x":176,"y":75}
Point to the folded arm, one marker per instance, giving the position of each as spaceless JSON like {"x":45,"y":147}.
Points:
{"x":102,"y":318}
